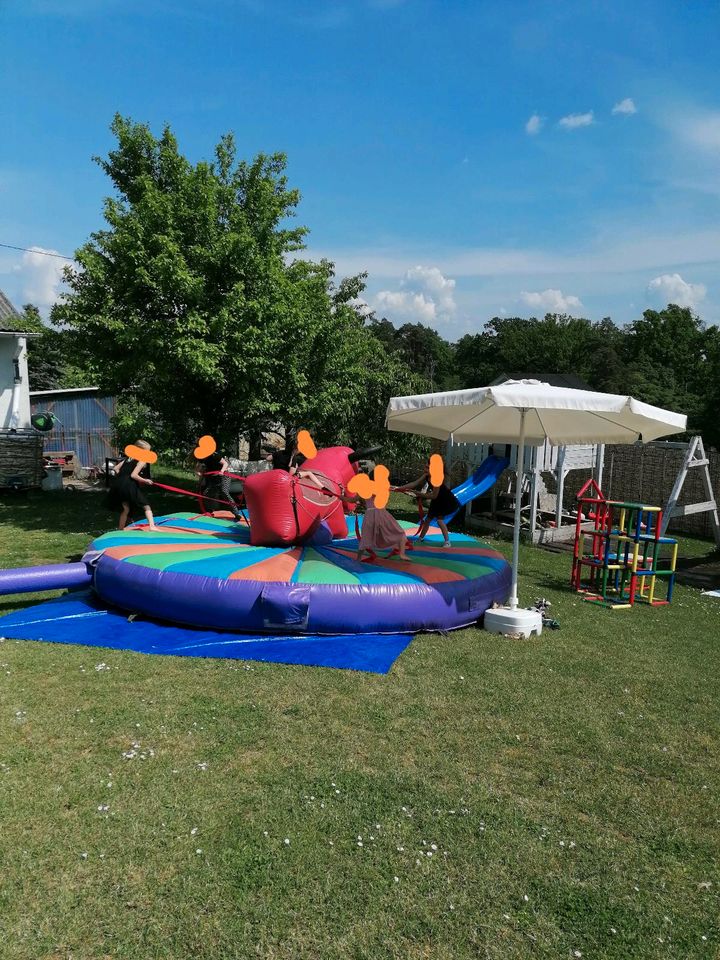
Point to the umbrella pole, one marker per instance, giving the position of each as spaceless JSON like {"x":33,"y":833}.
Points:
{"x":519,"y":473}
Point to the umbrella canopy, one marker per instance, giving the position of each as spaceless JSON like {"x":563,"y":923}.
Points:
{"x":529,"y":411}
{"x":558,"y":414}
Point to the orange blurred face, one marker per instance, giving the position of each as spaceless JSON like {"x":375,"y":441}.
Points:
{"x":436,"y":469}
{"x":379,"y":486}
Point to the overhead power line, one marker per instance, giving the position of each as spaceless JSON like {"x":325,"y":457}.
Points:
{"x":45,"y":253}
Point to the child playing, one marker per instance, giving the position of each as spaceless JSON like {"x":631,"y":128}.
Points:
{"x":215,"y":483}
{"x":126,"y":493}
{"x":380,"y":530}
{"x":442,"y":501}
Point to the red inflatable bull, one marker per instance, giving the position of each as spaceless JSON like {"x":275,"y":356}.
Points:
{"x":286,"y":509}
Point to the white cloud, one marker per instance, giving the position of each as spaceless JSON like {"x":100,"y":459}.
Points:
{"x":399,"y":304}
{"x":551,"y":301}
{"x":425,"y":296}
{"x":700,"y":130}
{"x":534,"y":125}
{"x":626,"y":106}
{"x":671,"y":288}
{"x":40,"y":277}
{"x":614,"y":251}
{"x":574,"y":120}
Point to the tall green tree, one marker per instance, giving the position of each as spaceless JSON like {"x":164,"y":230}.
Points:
{"x":195,"y":307}
{"x":51,"y":355}
{"x":422,"y":348}
{"x":666,"y":356}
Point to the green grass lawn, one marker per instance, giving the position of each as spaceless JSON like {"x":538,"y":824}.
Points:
{"x":553,"y":797}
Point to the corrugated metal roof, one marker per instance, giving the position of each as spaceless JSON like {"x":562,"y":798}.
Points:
{"x":83,"y":422}
{"x":70,"y":392}
{"x":84,"y":413}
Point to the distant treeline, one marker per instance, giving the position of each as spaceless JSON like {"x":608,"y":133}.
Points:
{"x":667,"y":357}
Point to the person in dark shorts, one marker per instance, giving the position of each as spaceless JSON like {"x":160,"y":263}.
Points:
{"x":126,"y":492}
{"x":441,"y":502}
{"x":289,"y":458}
{"x":215,"y":483}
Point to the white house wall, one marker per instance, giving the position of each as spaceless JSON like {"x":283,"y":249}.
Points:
{"x":8,"y":350}
{"x":576,"y":457}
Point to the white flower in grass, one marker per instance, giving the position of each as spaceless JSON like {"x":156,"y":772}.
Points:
{"x":526,"y":898}
{"x":286,"y":841}
{"x":203,"y":766}
{"x":396,"y":879}
{"x":577,"y":953}
{"x":193,"y":831}
{"x":433,"y":846}
{"x":198,"y":850}
{"x":103,"y":808}
{"x":613,"y":930}
{"x":359,"y":843}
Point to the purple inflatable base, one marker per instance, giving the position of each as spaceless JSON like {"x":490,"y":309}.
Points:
{"x":55,"y":576}
{"x":251,"y":605}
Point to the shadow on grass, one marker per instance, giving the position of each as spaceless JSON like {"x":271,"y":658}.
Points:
{"x":72,"y":512}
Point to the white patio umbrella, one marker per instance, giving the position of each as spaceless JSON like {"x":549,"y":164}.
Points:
{"x":530,"y":412}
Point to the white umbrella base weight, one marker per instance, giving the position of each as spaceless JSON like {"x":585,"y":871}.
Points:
{"x":508,"y":621}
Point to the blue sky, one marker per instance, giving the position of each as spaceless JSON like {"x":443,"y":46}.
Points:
{"x":477,"y":158}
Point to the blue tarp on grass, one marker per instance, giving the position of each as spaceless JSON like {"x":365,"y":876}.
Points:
{"x":81,"y":617}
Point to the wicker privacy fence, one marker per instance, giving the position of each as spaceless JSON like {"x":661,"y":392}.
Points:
{"x":21,"y":463}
